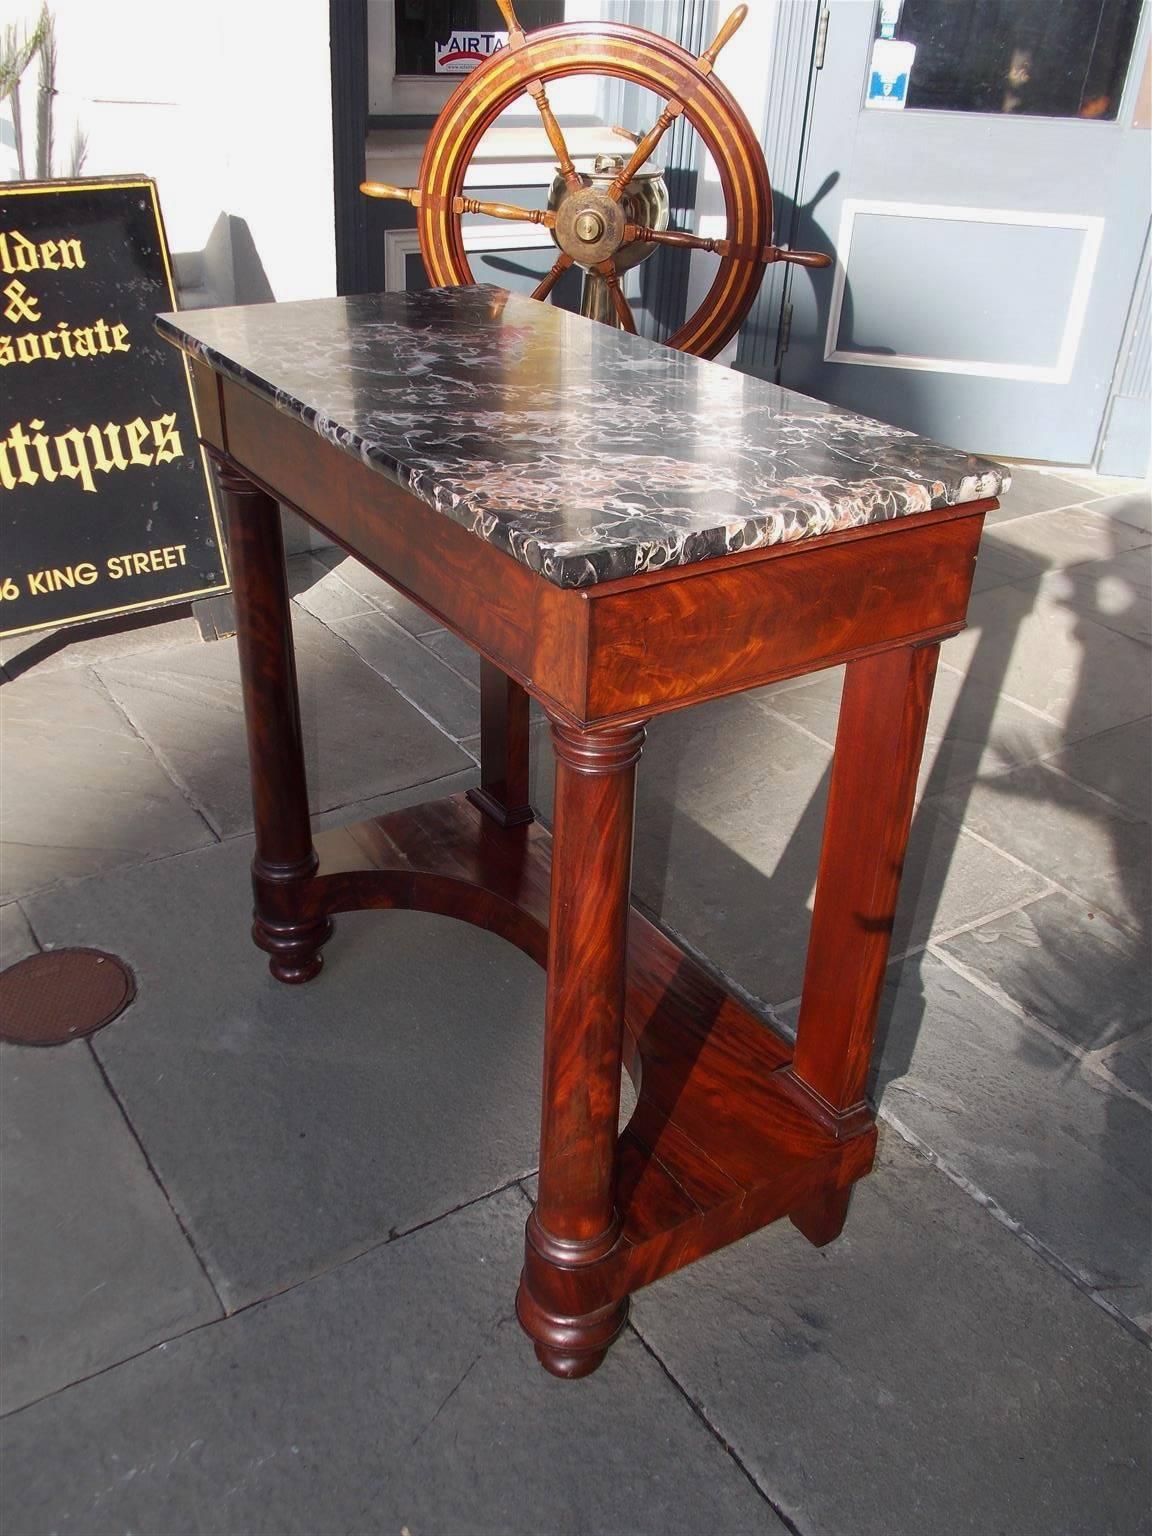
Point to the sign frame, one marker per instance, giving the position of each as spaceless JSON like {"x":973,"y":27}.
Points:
{"x":134,"y":181}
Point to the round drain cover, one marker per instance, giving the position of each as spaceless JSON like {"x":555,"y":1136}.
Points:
{"x":62,"y":995}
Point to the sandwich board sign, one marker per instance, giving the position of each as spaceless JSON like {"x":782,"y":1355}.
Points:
{"x":105,"y":504}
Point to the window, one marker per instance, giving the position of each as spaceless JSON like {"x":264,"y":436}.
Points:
{"x":1037,"y":58}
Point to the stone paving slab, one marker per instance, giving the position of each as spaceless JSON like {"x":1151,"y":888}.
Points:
{"x":415,"y":670}
{"x":1094,"y":848}
{"x":1069,"y":536}
{"x":395,"y":1394}
{"x":1031,"y":645}
{"x":82,"y":791}
{"x":17,"y":940}
{"x":1114,"y":592}
{"x":455,"y":654}
{"x":328,"y":598}
{"x":1033,"y":491}
{"x":1008,"y":1109}
{"x":1132,"y":506}
{"x":923,"y":1374}
{"x":1131,"y":1063}
{"x":729,"y":815}
{"x":61,"y":649}
{"x":972,"y":729}
{"x":1064,"y":964}
{"x":93,"y":1264}
{"x":1118,"y":763}
{"x":360,"y":737}
{"x":997,"y":565}
{"x":380,"y":595}
{"x":293,"y":1126}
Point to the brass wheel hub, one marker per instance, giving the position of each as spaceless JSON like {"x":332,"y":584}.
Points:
{"x":589,"y":226}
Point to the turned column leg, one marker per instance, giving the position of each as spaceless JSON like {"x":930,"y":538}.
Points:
{"x":575,"y":1224}
{"x":883,"y":716}
{"x":285,"y":859}
{"x":503,"y":791}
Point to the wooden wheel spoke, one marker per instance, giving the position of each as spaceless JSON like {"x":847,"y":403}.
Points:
{"x":707,"y":60}
{"x":607,"y":270}
{"x":510,"y":19}
{"x":555,"y":272}
{"x":684,"y":241}
{"x":797,"y":258}
{"x":555,"y":133}
{"x":385,"y":189}
{"x":543,"y":216}
{"x":679,"y":238}
{"x":644,"y":148}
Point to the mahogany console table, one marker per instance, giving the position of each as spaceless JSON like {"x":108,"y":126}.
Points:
{"x":619,"y":530}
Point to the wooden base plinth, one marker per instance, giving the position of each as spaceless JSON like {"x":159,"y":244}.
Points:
{"x":724,"y":1138}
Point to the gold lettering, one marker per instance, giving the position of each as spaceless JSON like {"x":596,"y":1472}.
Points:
{"x":55,"y":578}
{"x":100,"y":457}
{"x":96,"y":340}
{"x":40,"y":443}
{"x":167,"y":439}
{"x":20,"y":256}
{"x":71,"y":254}
{"x":21,"y":304}
{"x":21,"y":443}
{"x":145,"y":562}
{"x":72,"y":451}
{"x":28,"y":455}
{"x":137,"y":435}
{"x":113,"y":430}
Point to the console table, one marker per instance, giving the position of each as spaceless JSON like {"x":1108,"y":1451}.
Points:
{"x":619,"y":530}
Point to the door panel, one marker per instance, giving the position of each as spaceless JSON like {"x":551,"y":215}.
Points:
{"x":986,"y":254}
{"x":1014,"y":327}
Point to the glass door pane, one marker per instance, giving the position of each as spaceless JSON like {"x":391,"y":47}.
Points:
{"x":1038,"y":58}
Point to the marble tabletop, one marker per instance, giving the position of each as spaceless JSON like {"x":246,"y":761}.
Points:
{"x":584,"y":453}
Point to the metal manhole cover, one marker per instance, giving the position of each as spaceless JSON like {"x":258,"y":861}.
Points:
{"x":62,"y":995}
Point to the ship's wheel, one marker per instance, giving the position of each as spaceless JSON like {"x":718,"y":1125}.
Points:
{"x":607,"y":219}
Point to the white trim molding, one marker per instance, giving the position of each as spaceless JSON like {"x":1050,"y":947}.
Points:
{"x":1059,"y":372}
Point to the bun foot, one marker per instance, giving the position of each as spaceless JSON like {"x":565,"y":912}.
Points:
{"x":821,"y":1218}
{"x":569,"y":1367}
{"x":570,"y":1347}
{"x":294,"y":950}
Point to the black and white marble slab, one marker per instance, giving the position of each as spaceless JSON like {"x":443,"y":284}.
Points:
{"x":584,"y":453}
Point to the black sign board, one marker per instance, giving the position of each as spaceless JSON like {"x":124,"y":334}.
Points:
{"x":105,"y":506}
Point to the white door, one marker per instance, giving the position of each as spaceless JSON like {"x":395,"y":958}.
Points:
{"x":981,"y":170}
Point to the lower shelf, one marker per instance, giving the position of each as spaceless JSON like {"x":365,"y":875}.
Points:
{"x":724,"y":1138}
